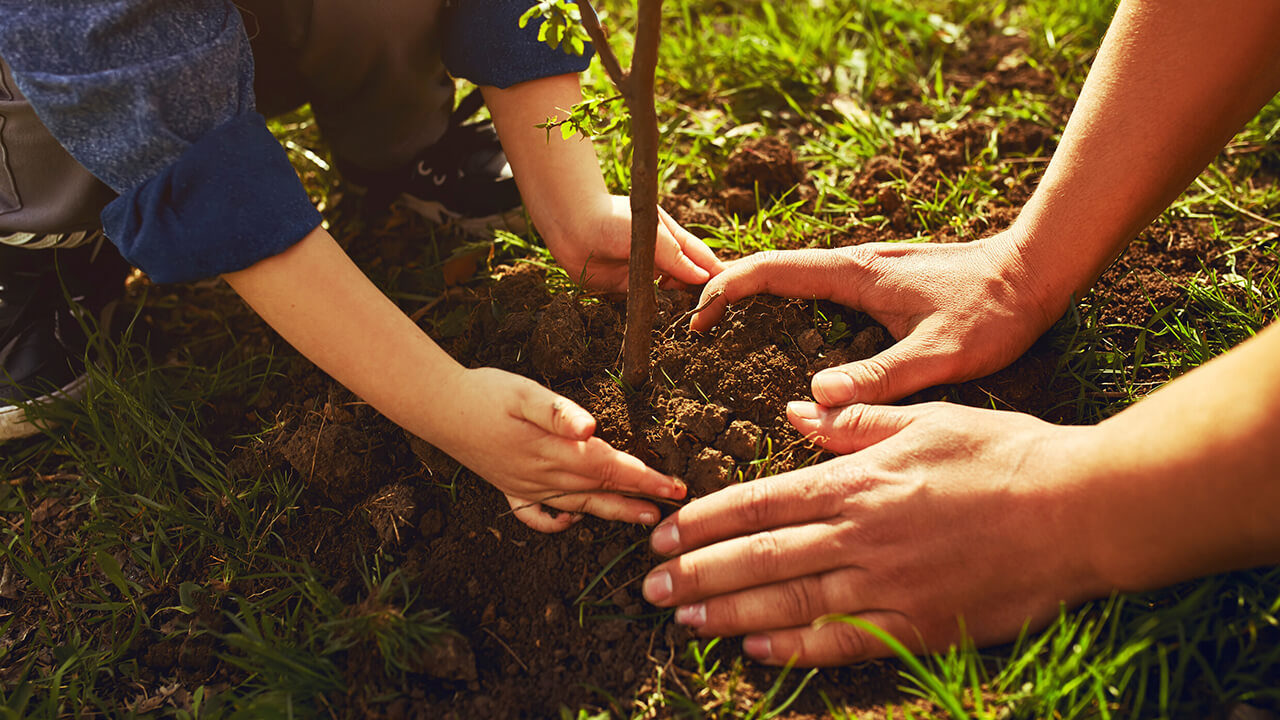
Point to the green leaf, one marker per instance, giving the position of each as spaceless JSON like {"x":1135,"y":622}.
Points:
{"x":111,"y":569}
{"x":186,"y":595}
{"x":528,"y":15}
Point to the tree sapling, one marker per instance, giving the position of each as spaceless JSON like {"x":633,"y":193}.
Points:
{"x":567,"y":27}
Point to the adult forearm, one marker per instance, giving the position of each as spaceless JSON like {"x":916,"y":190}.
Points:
{"x":324,"y":306}
{"x":1187,"y":482}
{"x":1173,"y":81}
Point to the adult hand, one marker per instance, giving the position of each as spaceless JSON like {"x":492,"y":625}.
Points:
{"x":598,"y":250}
{"x":958,"y":311}
{"x":537,"y":448}
{"x":941,"y":514}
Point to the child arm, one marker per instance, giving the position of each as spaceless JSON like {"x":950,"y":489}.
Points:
{"x":585,"y":228}
{"x":524,"y":439}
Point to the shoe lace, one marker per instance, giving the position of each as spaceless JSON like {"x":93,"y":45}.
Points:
{"x":462,"y":142}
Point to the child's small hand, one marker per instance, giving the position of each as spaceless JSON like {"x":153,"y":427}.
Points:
{"x":596,"y":253}
{"x":537,"y":448}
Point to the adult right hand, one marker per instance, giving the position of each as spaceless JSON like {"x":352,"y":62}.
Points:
{"x":940,"y":522}
{"x":958,"y":311}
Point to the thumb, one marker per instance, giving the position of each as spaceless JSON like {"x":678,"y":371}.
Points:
{"x":850,"y":428}
{"x":555,"y":414}
{"x":806,"y":274}
{"x":916,"y":362}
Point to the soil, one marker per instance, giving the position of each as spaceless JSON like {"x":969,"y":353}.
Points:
{"x":549,"y":620}
{"x":543,"y":621}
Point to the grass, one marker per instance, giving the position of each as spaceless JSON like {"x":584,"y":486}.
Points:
{"x":129,"y":521}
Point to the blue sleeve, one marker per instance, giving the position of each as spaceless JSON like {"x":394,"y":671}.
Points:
{"x":485,"y":44}
{"x":155,"y":97}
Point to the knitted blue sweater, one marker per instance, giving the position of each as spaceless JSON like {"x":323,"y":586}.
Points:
{"x":155,"y":98}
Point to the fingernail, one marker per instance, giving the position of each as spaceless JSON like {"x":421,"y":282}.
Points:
{"x":759,"y":647}
{"x":666,"y":538}
{"x":657,"y":587}
{"x":648,"y":518}
{"x":833,"y":387}
{"x":695,"y":616}
{"x":804,"y":410}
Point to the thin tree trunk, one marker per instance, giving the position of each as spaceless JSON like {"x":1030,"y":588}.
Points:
{"x":641,"y":302}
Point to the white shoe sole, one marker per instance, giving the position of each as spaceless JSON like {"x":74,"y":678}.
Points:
{"x":15,"y":424}
{"x":512,"y":220}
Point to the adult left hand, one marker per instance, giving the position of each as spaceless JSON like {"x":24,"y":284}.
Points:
{"x":941,"y":520}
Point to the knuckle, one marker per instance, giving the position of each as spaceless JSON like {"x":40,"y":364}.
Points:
{"x":859,"y":256}
{"x":875,"y":375}
{"x":726,"y":617}
{"x":756,"y":502}
{"x":852,"y":418}
{"x":764,"y":555}
{"x":798,"y":602}
{"x":609,"y":474}
{"x":765,"y":259}
{"x":848,"y":642}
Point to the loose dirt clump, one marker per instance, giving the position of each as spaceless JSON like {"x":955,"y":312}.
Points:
{"x":557,"y":345}
{"x":764,"y":168}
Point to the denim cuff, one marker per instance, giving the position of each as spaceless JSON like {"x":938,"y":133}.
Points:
{"x":486,"y":45}
{"x":230,"y":200}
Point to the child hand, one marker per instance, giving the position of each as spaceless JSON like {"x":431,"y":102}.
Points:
{"x":537,"y":448}
{"x":597,"y":251}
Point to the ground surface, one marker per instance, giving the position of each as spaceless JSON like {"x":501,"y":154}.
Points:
{"x":287,"y":550}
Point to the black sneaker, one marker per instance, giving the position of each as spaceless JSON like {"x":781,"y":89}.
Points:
{"x":462,"y":180}
{"x":42,"y":340}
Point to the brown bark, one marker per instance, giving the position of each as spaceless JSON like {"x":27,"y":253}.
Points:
{"x":641,"y":302}
{"x":604,"y":50}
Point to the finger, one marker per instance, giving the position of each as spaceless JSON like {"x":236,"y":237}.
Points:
{"x":762,"y":558}
{"x":918,"y":361}
{"x":793,"y":603}
{"x":555,"y":414}
{"x":790,"y":273}
{"x":833,"y":643}
{"x":804,"y":495}
{"x":606,"y":468}
{"x":692,"y":246}
{"x":672,"y":260}
{"x":670,"y":283}
{"x":532,"y":513}
{"x":607,"y":507}
{"x":850,"y":428}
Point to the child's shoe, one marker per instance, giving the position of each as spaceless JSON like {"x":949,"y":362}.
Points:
{"x":42,"y":340}
{"x":463,"y":179}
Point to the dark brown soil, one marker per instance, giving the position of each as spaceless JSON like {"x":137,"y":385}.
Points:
{"x":545,"y":621}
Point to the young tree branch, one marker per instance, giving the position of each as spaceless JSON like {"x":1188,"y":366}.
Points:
{"x":610,"y":61}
